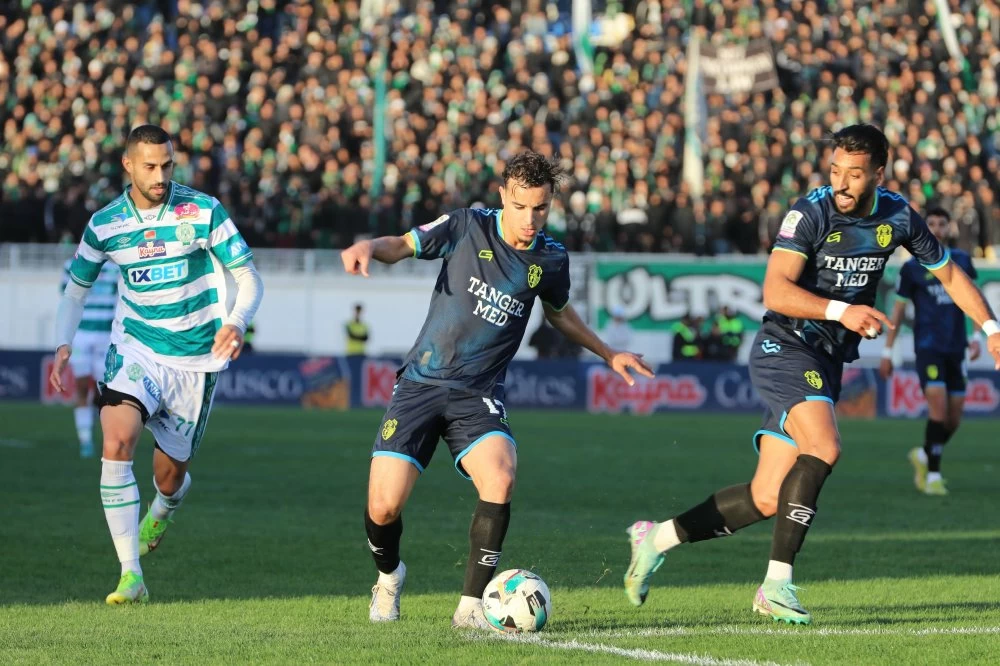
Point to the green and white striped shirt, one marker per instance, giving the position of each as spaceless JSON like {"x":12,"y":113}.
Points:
{"x":173,"y":294}
{"x":99,"y":308}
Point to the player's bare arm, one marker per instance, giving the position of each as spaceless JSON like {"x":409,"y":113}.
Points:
{"x":385,"y":249}
{"x":898,"y":311}
{"x":967,"y":296}
{"x":568,"y":322}
{"x":783,"y":295}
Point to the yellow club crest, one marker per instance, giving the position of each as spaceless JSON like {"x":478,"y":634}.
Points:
{"x":932,"y":372}
{"x":883,"y":235}
{"x":534,"y":275}
{"x":388,"y":428}
{"x":814,"y":379}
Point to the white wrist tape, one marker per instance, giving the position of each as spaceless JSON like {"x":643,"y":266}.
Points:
{"x":836,"y":309}
{"x":990,"y":326}
{"x":887,"y":353}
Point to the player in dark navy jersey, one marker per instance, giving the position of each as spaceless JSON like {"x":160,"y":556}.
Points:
{"x":940,"y":341}
{"x":819,"y":289}
{"x":451,"y":384}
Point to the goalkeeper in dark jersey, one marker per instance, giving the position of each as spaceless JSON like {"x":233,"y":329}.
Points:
{"x":450,"y":387}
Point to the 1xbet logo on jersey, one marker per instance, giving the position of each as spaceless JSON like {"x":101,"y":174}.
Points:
{"x":177,"y":270}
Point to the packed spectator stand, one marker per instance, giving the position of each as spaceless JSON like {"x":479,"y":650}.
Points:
{"x":271,"y":103}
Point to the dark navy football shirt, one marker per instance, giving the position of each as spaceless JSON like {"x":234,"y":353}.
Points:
{"x":938,"y":324}
{"x":846,"y":256}
{"x":482,"y":300}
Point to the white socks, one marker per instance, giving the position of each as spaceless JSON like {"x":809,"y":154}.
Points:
{"x":933,"y":476}
{"x":120,"y":497}
{"x":390,"y":579}
{"x":164,"y":506}
{"x":779,"y":571}
{"x":665,"y":537}
{"x":84,"y":419}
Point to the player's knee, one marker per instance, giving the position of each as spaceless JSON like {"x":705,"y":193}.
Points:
{"x":497,"y":487}
{"x":119,"y":444}
{"x":952,"y":422}
{"x":765,"y":499}
{"x":826,"y":448}
{"x":384,"y":510}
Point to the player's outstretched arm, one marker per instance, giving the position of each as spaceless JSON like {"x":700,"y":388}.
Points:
{"x":898,"y":310}
{"x":568,"y":322}
{"x":385,"y":249}
{"x":966,"y":295}
{"x":783,"y":295}
{"x":68,"y":316}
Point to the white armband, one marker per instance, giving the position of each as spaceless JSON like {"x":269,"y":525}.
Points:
{"x":990,"y":326}
{"x":836,"y":309}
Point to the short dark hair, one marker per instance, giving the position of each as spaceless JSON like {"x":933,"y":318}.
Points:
{"x":531,"y":169}
{"x":146,"y":134}
{"x":938,"y":211}
{"x":864,"y":138}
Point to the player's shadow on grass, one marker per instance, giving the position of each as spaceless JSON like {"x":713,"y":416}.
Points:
{"x":917,"y":614}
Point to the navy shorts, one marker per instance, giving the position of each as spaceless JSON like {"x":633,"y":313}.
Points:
{"x":421,"y":414}
{"x":942,"y":370}
{"x":786,"y":371}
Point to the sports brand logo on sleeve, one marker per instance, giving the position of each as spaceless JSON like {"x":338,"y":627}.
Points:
{"x":770,"y":347}
{"x":789,"y":224}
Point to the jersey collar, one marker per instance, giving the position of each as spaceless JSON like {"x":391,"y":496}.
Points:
{"x":500,"y":234}
{"x":163,"y":207}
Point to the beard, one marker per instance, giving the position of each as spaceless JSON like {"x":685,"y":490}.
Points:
{"x":857,"y":207}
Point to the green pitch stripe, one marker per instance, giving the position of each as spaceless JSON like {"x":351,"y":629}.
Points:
{"x":179,"y":309}
{"x":127,"y":485}
{"x":192,"y":342}
{"x":117,"y":506}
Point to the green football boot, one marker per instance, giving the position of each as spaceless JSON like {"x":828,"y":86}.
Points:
{"x":131,"y":590}
{"x":151,"y":532}
{"x":777,"y":600}
{"x":919,"y":463}
{"x":645,"y":560}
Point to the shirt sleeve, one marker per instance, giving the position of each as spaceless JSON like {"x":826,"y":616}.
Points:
{"x":923,"y":246}
{"x":438,"y":239}
{"x":904,"y":284}
{"x":799,"y":231}
{"x":556,"y":294}
{"x":225,"y":240}
{"x":970,"y":268}
{"x":88,"y":260}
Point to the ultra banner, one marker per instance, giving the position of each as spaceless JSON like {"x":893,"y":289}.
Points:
{"x":738,"y":68}
{"x":356,"y":382}
{"x":654,"y":295}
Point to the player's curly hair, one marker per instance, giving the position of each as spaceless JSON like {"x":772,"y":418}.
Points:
{"x":864,"y":138}
{"x":530,"y":169}
{"x":146,"y":134}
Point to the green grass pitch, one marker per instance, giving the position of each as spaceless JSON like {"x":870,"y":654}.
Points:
{"x":267,"y":561}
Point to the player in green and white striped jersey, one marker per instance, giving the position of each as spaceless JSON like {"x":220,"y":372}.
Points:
{"x":170,"y":337}
{"x":90,"y":346}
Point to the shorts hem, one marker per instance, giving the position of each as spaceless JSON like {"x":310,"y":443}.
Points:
{"x":957,"y":393}
{"x":785,"y":438}
{"x":402,"y":456}
{"x":475,"y":443}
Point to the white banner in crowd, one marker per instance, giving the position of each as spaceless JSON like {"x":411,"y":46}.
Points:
{"x":738,"y":68}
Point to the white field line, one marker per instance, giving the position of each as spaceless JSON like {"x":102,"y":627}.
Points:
{"x":736,"y":630}
{"x":16,"y":444}
{"x":637,"y":654}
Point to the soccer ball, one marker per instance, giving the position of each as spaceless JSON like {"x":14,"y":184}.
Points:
{"x":517,"y":600}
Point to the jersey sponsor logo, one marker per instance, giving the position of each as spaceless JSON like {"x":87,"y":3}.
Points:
{"x":152,"y":249}
{"x":789,"y":224}
{"x":834,"y":237}
{"x":814,"y":379}
{"x":883,"y":235}
{"x":608,"y":392}
{"x":176,"y":270}
{"x":770,"y":347}
{"x":431,"y":225}
{"x":186,"y":211}
{"x":185,"y":232}
{"x":494,"y":305}
{"x":534,"y":275}
{"x":853,"y":271}
{"x":389,"y":428}
{"x":486,"y":254}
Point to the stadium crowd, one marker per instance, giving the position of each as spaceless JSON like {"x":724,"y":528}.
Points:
{"x":272,"y":106}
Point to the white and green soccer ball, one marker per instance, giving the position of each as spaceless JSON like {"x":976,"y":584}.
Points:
{"x":517,"y":600}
